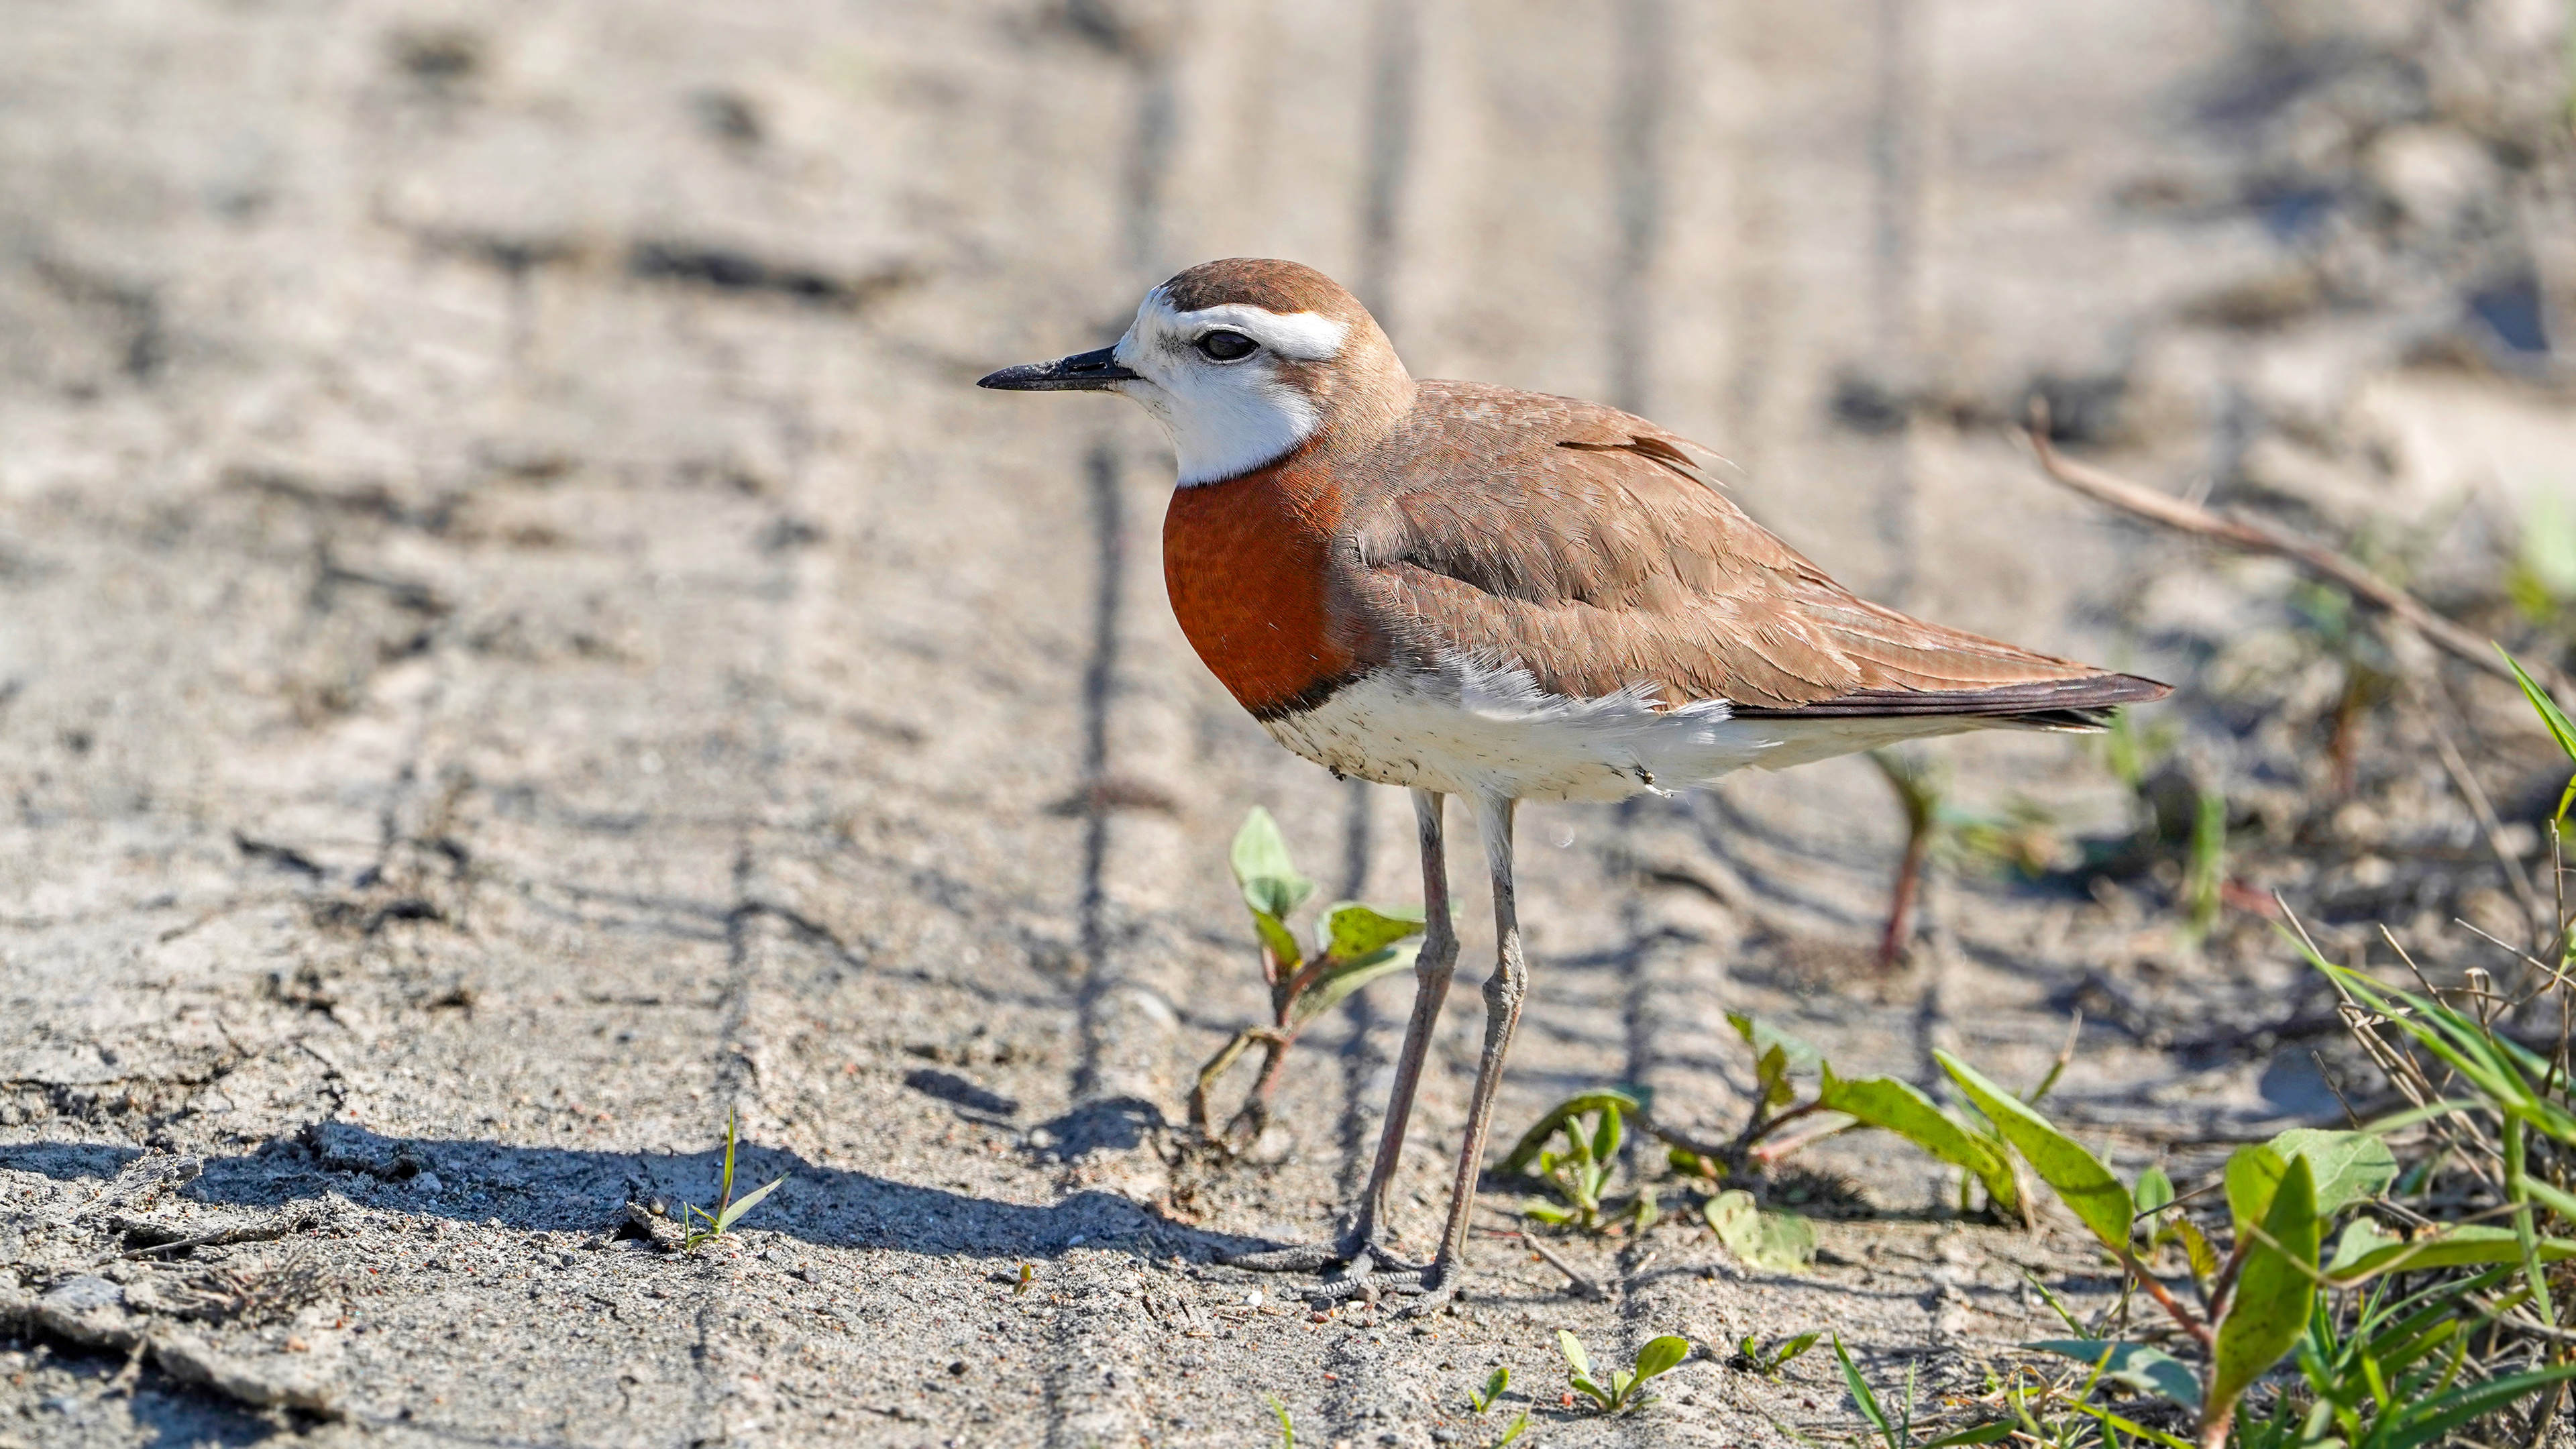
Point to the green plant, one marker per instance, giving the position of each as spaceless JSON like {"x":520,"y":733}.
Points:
{"x":1513,"y":1430}
{"x":1580,"y":1171}
{"x":1287,"y":1426}
{"x":2205,"y":875}
{"x":712,"y":1225}
{"x":1593,"y":1123}
{"x":2541,"y":580}
{"x":2555,"y":720}
{"x":1897,"y":1431}
{"x":2392,"y":1340}
{"x":1767,"y":1359}
{"x":1624,"y":1392}
{"x":1774,"y":1242}
{"x":1841,"y":1105}
{"x":1483,"y":1399}
{"x":2131,"y":751}
{"x":1028,"y":1276}
{"x":2261,"y":1304}
{"x":2022,"y":838}
{"x":1919,"y":787}
{"x":1355,"y":945}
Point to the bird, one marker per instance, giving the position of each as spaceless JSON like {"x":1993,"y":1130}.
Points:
{"x":1468,"y":590}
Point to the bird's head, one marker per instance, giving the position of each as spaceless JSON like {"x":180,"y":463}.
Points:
{"x":1242,"y":361}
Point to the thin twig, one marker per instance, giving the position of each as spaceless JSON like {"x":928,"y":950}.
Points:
{"x":1582,"y":1286}
{"x":2264,"y":536}
{"x":2482,"y":808}
{"x":265,"y":1231}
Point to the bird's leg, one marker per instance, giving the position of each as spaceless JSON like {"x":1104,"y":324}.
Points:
{"x":1359,"y":1246}
{"x":1438,"y":1284}
{"x":1503,"y":993}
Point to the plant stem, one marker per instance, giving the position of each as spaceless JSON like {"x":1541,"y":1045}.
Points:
{"x":2181,"y":1315}
{"x":1900,"y":905}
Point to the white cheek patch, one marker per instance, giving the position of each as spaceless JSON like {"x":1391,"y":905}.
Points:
{"x":1225,"y":419}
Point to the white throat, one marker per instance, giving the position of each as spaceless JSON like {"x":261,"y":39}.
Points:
{"x":1225,"y":419}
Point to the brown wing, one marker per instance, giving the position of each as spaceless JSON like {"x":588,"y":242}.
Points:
{"x":1585,"y":546}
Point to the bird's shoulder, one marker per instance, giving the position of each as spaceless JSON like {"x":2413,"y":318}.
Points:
{"x":1534,"y":496}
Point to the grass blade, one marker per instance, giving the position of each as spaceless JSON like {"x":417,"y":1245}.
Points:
{"x":1861,"y":1396}
{"x":734,"y":1211}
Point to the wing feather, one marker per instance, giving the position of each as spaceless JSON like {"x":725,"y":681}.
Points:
{"x":1588,"y":548}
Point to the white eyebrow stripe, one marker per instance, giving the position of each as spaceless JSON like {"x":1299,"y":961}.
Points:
{"x":1306,"y":336}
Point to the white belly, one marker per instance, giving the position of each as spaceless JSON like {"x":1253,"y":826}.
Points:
{"x":1467,"y":730}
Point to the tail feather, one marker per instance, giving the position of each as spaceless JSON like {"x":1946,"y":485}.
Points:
{"x":2049,"y":704}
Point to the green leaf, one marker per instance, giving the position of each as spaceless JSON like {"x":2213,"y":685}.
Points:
{"x":1900,"y":1108}
{"x":2196,"y":1249}
{"x":745,"y":1204}
{"x":2273,"y":1291}
{"x":1278,"y":940}
{"x":2560,"y":729}
{"x":1771,"y":1078}
{"x":1660,"y":1355}
{"x":2350,"y":1167}
{"x":1546,"y":1212}
{"x":1776,"y":1054}
{"x":1352,"y":930}
{"x":2130,"y":1427}
{"x":1866,"y":1401}
{"x":1338,"y":982}
{"x":1605,"y":1137}
{"x":1279,"y":1411}
{"x":1534,"y":1141}
{"x":1261,"y":866}
{"x":2141,"y":1367}
{"x":1770,"y":1242}
{"x":2253,"y":1174}
{"x":1499,"y":1380}
{"x":2086,"y":1186}
{"x":1572,"y":1348}
{"x":2364,"y":1252}
{"x":2153,"y":1192}
{"x":1518,"y":1427}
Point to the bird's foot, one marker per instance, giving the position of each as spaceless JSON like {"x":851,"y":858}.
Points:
{"x":1367,"y":1266}
{"x":1426,"y":1290}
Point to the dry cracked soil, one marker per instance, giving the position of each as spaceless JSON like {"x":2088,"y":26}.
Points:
{"x":518,"y":641}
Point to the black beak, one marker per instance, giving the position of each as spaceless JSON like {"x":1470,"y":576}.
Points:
{"x":1082,"y":372}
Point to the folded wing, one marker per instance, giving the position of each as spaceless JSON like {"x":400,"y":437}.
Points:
{"x":1588,"y":548}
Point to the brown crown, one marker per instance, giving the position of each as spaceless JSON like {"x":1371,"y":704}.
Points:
{"x":1272,"y":286}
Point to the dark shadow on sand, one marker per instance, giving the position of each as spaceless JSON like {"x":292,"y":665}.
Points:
{"x":566,"y":1190}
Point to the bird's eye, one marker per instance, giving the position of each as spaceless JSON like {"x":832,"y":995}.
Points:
{"x":1222,"y":346}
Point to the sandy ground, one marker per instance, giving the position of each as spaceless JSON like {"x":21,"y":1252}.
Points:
{"x":518,"y":640}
